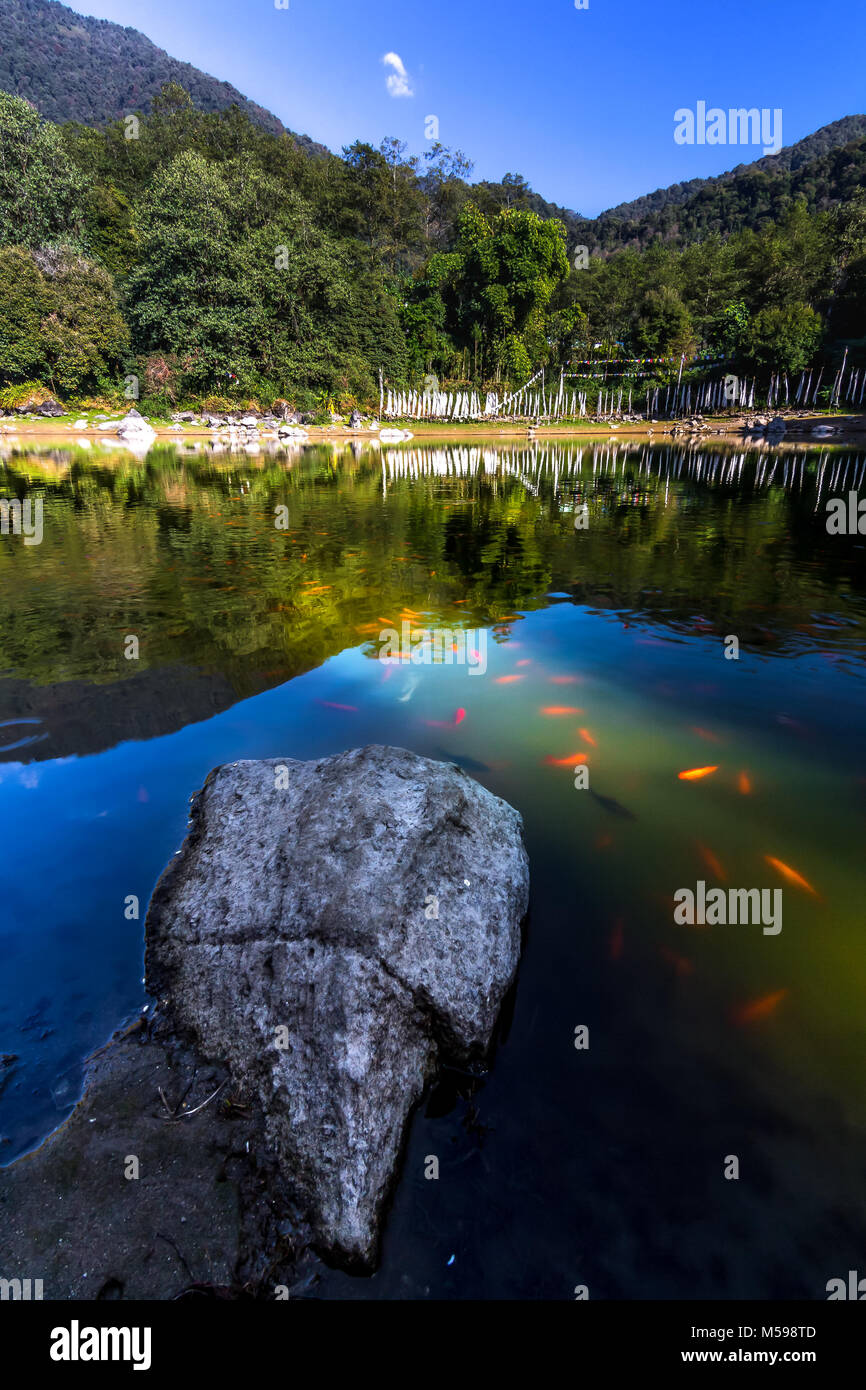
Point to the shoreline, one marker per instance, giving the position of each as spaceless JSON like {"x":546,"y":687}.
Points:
{"x":798,"y":429}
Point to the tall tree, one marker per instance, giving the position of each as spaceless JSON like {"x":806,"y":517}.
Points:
{"x":41,"y":190}
{"x":506,"y":273}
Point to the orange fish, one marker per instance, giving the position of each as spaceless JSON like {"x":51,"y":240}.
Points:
{"x":525,"y":662}
{"x":574,"y":761}
{"x":744,"y":785}
{"x":603,"y":841}
{"x":564,"y":680}
{"x":555,"y":710}
{"x":693,"y":773}
{"x":447,"y":723}
{"x":330,"y":704}
{"x":507,"y":680}
{"x":587,"y":737}
{"x":759,"y":1008}
{"x":791,"y":874}
{"x":616,"y":940}
{"x":680,"y":964}
{"x":712,"y":862}
{"x":705,"y":733}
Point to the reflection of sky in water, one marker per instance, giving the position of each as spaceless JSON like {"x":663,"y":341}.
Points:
{"x":602,"y":1167}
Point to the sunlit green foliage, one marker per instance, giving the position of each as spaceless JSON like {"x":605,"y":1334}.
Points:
{"x":246,"y":265}
{"x":59,"y":320}
{"x":41,"y":189}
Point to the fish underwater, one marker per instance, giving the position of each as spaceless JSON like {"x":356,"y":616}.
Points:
{"x":462,"y":760}
{"x":459,"y":716}
{"x":791,"y":875}
{"x":614,"y":807}
{"x":759,"y":1008}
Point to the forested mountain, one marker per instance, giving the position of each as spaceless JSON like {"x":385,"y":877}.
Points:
{"x":746,"y":197}
{"x":789,"y":159}
{"x":74,"y":68}
{"x":823,"y":171}
{"x":213,"y":255}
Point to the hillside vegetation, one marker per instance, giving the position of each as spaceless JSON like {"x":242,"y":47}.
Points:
{"x":211,"y":255}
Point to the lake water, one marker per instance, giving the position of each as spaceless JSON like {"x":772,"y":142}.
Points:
{"x":562,"y":1166}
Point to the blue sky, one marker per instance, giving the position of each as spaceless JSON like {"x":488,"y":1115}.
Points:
{"x":580,"y":102}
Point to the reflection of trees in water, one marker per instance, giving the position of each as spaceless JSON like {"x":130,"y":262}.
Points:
{"x":182,"y":549}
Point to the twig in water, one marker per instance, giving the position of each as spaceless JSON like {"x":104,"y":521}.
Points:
{"x":186,"y":1113}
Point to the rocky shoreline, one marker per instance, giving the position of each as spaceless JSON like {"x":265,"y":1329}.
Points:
{"x":328,"y":935}
{"x":245,"y":432}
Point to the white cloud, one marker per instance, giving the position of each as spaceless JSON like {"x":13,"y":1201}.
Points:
{"x":398,"y":82}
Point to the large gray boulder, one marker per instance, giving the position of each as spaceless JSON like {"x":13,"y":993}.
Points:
{"x":329,"y":930}
{"x":133,"y":428}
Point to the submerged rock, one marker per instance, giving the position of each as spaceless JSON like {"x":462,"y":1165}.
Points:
{"x":329,"y":930}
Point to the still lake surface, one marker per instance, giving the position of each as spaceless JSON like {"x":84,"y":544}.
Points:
{"x":605,"y":1166}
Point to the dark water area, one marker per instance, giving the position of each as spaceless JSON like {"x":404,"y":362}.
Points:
{"x":559,"y":1166}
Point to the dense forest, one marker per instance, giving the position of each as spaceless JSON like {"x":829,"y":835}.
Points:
{"x":213,"y":258}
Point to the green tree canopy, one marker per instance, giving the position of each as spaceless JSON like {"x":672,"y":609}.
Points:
{"x":503,"y":275}
{"x":783,"y":338}
{"x":59,"y":320}
{"x":41,"y":190}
